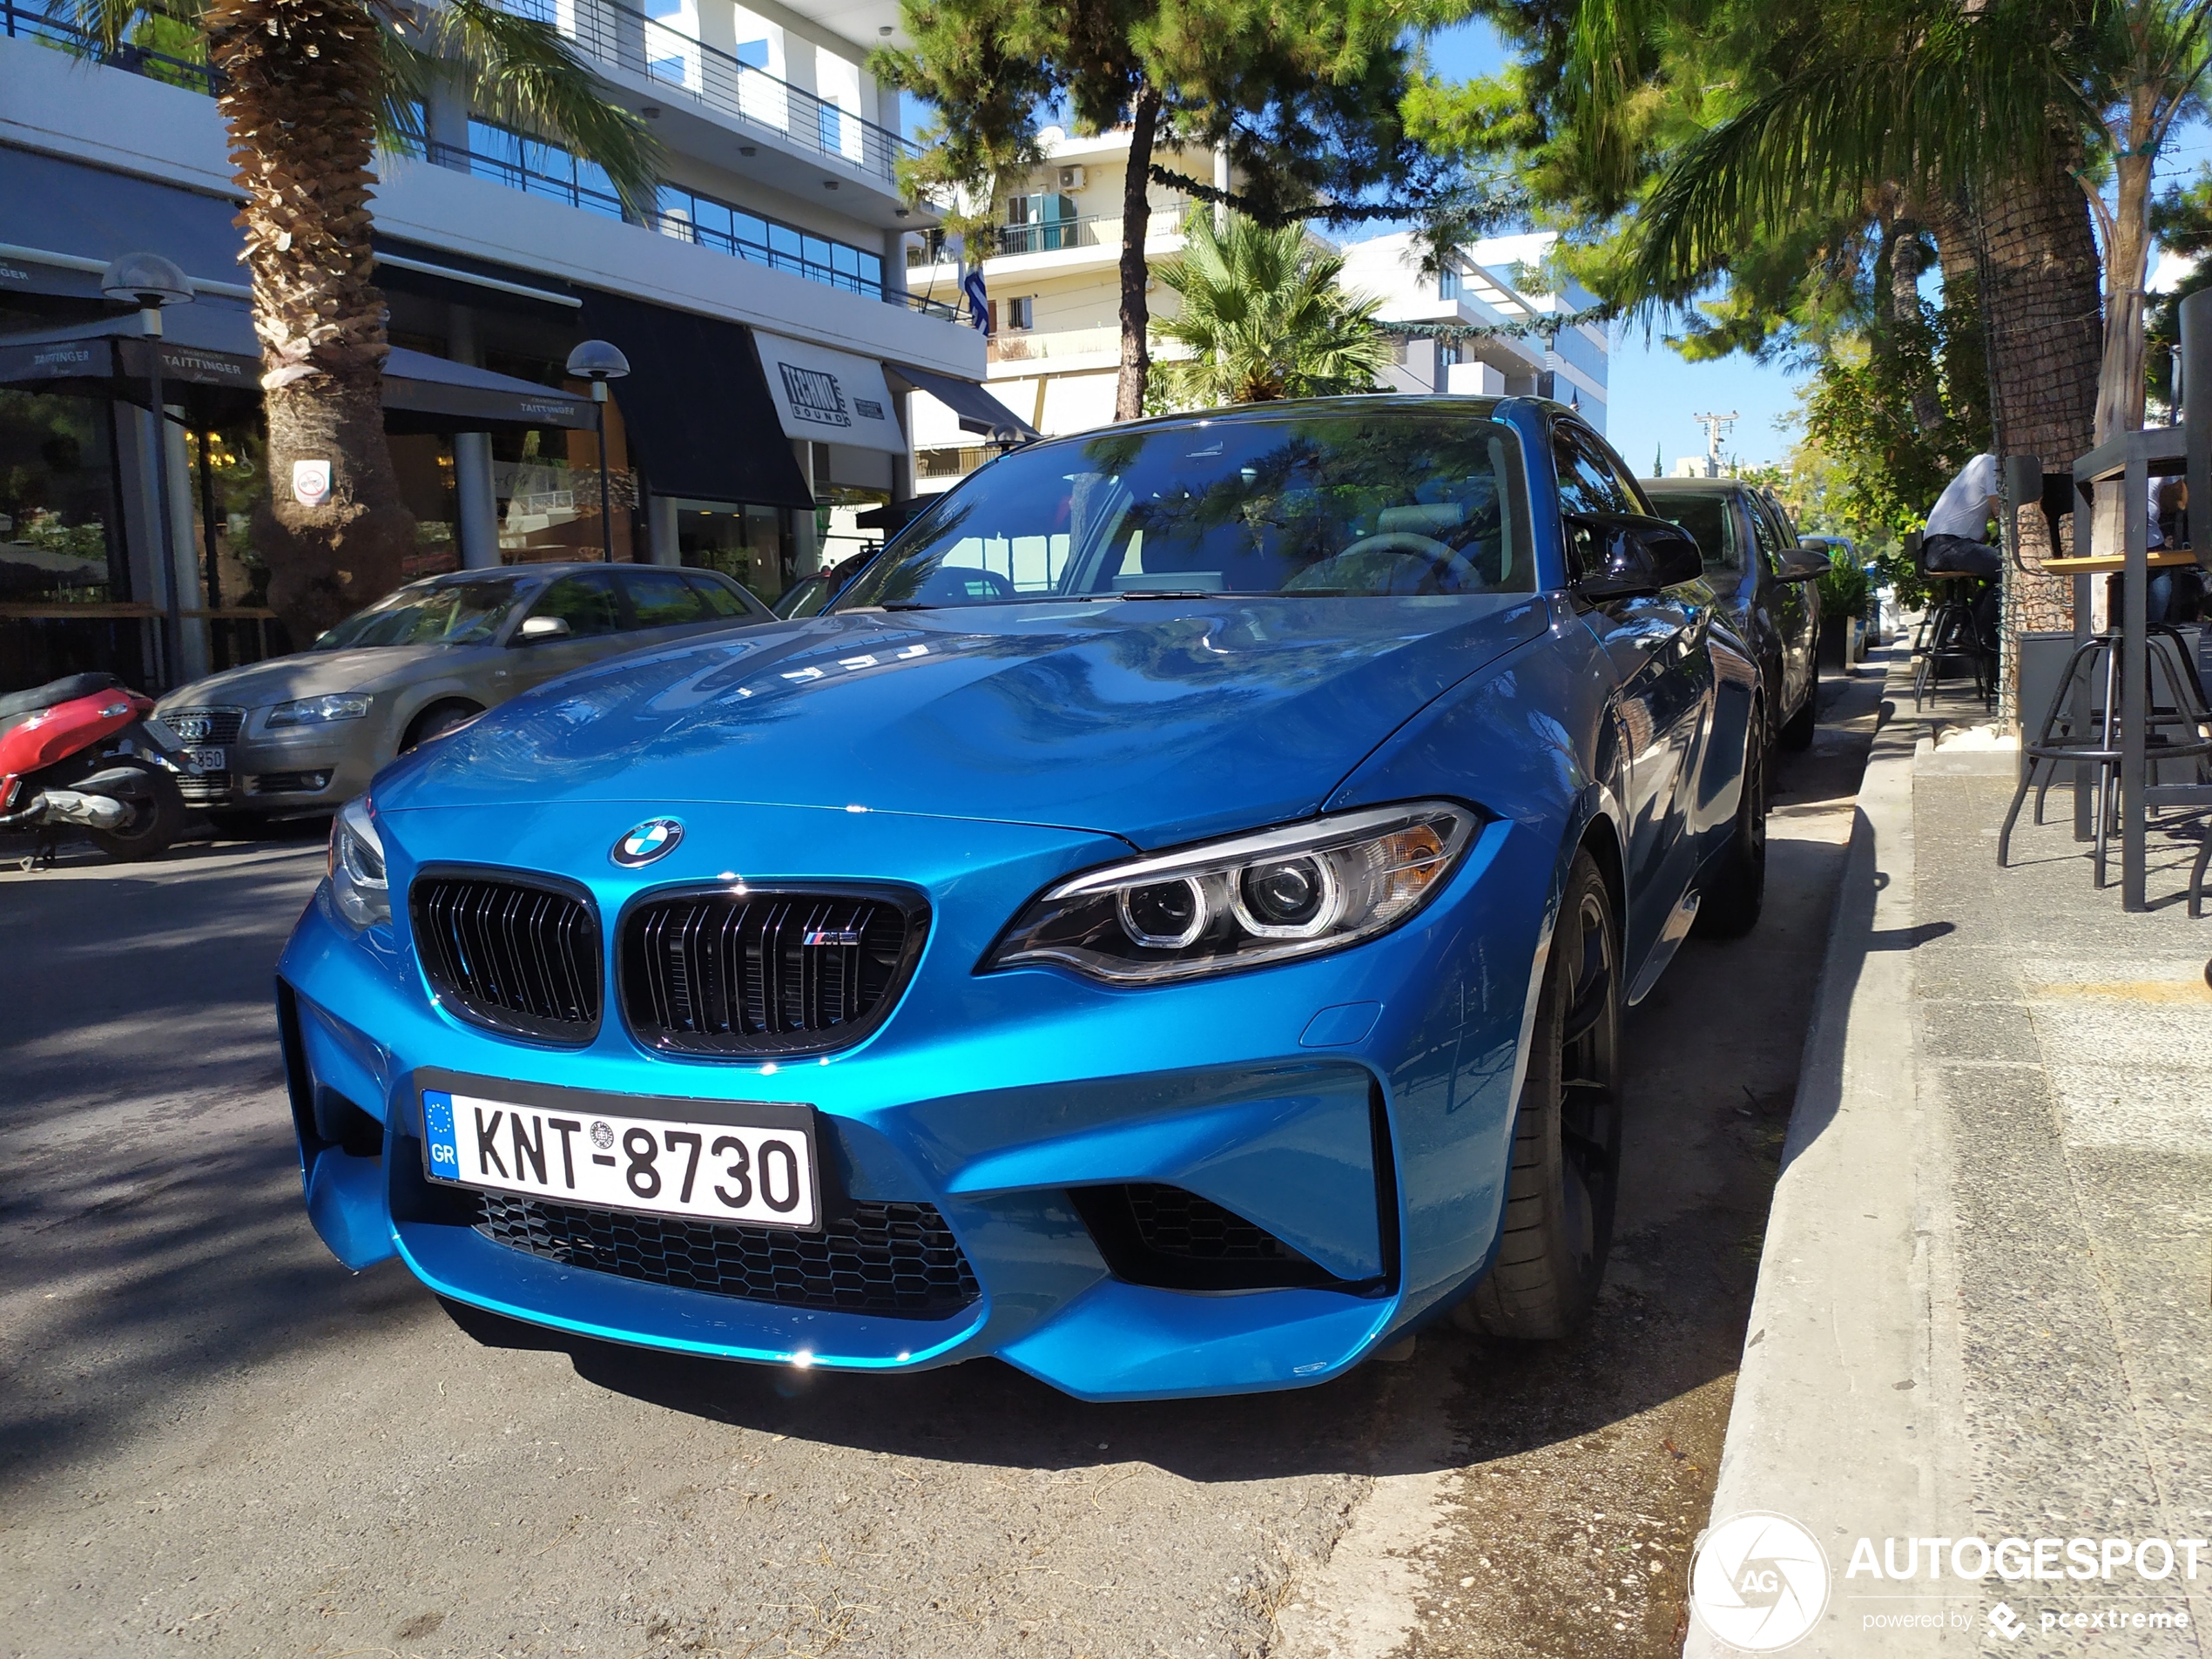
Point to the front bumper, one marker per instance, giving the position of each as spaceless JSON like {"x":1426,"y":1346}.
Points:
{"x":310,"y":771}
{"x":1359,"y":1107}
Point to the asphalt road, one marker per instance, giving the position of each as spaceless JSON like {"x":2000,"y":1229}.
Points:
{"x":214,"y":1439}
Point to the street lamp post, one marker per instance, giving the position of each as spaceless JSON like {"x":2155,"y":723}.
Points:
{"x":598,"y":362}
{"x":150,"y":282}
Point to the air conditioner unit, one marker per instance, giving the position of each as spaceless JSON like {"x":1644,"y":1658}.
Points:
{"x":1073,"y":177}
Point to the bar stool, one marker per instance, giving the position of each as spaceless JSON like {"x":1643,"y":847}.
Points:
{"x":1947,"y":634}
{"x":2094,"y":666}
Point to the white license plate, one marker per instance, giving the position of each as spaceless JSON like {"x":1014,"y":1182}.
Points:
{"x":572,"y":1152}
{"x":209,"y":759}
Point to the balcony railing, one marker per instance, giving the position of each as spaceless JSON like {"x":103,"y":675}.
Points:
{"x":762,"y":250}
{"x":1052,"y":235}
{"x":721,"y":81}
{"x":32,"y":23}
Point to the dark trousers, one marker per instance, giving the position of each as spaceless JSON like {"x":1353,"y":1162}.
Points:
{"x":1956,"y":554}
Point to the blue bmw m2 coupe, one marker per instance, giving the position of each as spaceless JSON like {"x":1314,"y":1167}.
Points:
{"x":1166,"y":925}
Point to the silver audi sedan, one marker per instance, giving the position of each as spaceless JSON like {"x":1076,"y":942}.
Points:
{"x":305,"y":733}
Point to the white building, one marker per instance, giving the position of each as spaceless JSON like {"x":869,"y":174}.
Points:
{"x":1498,"y":281}
{"x":1054,"y":288}
{"x":763,"y":308}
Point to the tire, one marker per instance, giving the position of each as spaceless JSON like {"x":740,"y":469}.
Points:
{"x":436,"y":721}
{"x":1735,"y":888}
{"x":1796,"y":736}
{"x":154,"y":822}
{"x":1560,"y":1195}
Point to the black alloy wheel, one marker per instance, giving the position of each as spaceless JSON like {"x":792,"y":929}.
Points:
{"x":157,"y":818}
{"x":1564,"y":1179}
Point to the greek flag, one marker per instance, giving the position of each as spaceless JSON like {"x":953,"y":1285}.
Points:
{"x":979,"y":303}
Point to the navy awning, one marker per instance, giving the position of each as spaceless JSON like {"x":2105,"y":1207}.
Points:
{"x":211,"y":344}
{"x":977,"y":410}
{"x":696,"y":405}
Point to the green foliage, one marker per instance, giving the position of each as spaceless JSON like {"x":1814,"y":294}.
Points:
{"x":1846,"y":588}
{"x":2181,"y":220}
{"x":1264,"y":317}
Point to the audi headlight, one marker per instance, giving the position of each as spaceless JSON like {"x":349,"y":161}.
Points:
{"x":358,"y":886}
{"x":317,"y":711}
{"x":1255,"y":899}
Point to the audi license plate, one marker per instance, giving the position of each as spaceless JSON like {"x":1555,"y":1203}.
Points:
{"x":758,"y":1168}
{"x":205,"y":759}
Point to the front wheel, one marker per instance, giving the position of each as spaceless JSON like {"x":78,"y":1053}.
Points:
{"x":1560,"y":1196}
{"x":157,"y":818}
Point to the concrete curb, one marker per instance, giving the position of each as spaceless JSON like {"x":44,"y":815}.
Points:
{"x":1848,"y":1397}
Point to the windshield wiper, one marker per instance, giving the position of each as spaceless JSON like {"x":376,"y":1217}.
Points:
{"x":1161,"y":593}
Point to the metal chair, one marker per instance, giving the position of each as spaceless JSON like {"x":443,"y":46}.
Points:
{"x":1947,"y":634}
{"x":2175,"y":726}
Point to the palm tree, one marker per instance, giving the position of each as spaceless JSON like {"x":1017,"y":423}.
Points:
{"x":309,"y":88}
{"x":2000,"y":108}
{"x":1262,"y":317}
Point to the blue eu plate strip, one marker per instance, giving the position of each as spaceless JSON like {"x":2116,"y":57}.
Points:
{"x":437,"y":1131}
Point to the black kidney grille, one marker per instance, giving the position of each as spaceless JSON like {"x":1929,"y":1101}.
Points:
{"x":763,"y":973}
{"x":518,"y":958}
{"x":899,"y":1259}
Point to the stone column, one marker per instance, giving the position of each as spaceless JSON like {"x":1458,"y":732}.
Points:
{"x":660,"y":530}
{"x":195,"y":661}
{"x":806,"y":545}
{"x":475,"y":496}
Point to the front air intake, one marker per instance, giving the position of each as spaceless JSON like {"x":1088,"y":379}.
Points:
{"x":753,"y":973}
{"x":515,"y":955}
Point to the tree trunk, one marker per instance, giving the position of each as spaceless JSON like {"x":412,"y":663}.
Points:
{"x":300,"y":99}
{"x":2039,"y":295}
{"x":1136,"y":223}
{"x":2120,"y":380}
{"x":1908,"y":259}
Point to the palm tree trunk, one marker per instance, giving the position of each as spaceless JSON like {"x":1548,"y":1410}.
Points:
{"x":1136,"y":223}
{"x":299,"y":98}
{"x":2040,"y":294}
{"x":2119,"y":381}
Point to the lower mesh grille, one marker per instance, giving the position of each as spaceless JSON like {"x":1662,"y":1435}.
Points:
{"x":1175,"y":1240}
{"x":899,"y":1259}
{"x":1176,"y":1223}
{"x":199,"y":787}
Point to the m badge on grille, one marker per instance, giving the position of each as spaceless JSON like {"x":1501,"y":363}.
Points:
{"x":654,"y":839}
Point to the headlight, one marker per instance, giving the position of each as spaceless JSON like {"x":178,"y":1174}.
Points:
{"x":317,"y":711}
{"x":1257,"y":899}
{"x":357,"y":884}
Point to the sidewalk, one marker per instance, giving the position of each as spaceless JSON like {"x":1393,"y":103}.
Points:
{"x":1983,"y":1298}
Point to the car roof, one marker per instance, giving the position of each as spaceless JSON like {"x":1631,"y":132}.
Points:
{"x":1702,"y":487}
{"x":560,"y":567}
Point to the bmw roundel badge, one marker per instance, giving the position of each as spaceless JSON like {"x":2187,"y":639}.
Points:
{"x":654,"y":839}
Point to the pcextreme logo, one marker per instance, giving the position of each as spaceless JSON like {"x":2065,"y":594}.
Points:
{"x":1759,"y":1582}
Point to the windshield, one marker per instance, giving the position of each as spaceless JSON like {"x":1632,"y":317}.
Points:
{"x":1707,"y":520}
{"x":429,"y":613}
{"x":1341,"y":504}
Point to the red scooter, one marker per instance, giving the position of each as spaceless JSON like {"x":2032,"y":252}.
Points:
{"x":85,"y":752}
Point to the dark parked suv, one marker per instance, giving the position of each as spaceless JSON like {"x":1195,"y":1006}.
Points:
{"x":1753,"y":556}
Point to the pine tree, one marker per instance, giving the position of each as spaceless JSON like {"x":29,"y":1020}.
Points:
{"x":1305,"y":96}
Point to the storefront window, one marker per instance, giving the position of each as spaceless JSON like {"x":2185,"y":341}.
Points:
{"x":424,"y":465}
{"x":56,"y":502}
{"x":746,"y":543}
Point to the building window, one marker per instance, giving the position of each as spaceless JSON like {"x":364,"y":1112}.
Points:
{"x":538,"y":168}
{"x":1448,"y":283}
{"x":691,"y":217}
{"x":1021,"y":313}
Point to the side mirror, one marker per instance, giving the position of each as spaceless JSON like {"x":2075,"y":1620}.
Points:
{"x":536,"y":629}
{"x":1807,"y":562}
{"x":1633,"y":555}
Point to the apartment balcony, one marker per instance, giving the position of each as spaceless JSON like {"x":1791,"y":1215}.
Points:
{"x":1059,"y":348}
{"x":701,"y":94}
{"x":1047,"y":247}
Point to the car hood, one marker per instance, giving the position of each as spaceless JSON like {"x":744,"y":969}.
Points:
{"x":1157,"y":720}
{"x":309,"y":673}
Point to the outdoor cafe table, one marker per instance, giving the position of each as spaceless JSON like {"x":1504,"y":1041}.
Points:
{"x":2129,"y":461}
